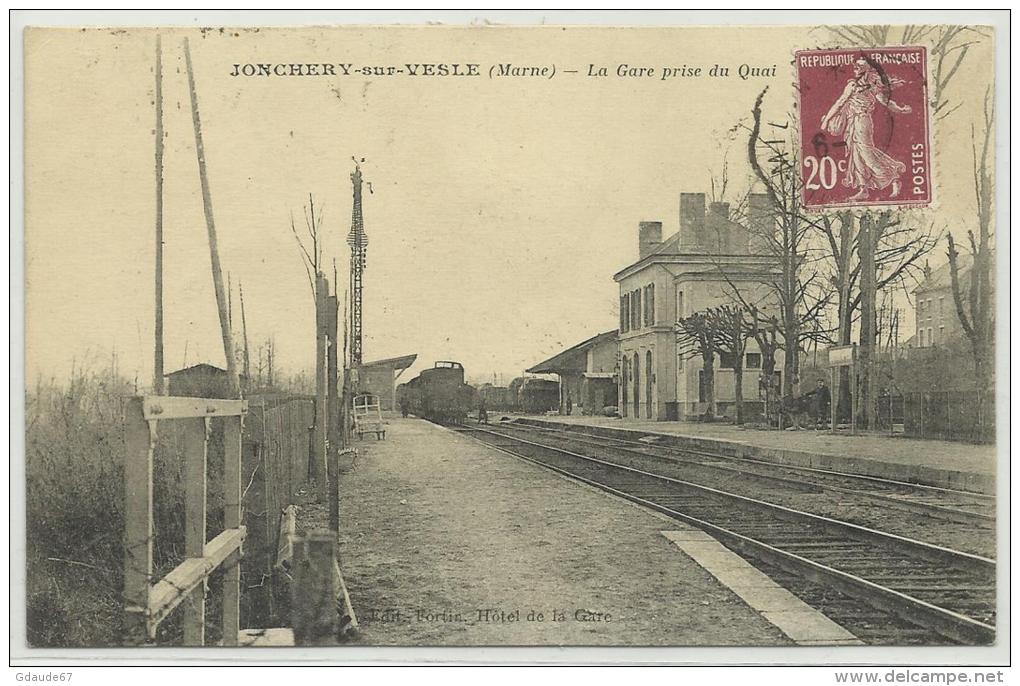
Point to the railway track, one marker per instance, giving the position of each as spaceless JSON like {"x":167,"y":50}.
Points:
{"x":915,"y":591}
{"x":963,"y":507}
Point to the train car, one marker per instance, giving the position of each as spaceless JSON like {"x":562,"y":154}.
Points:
{"x":539,"y":395}
{"x":497,"y":398}
{"x":514,"y":393}
{"x":439,"y":394}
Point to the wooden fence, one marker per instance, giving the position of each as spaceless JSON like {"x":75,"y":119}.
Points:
{"x":944,"y":415}
{"x":147,"y":602}
{"x":276,"y":455}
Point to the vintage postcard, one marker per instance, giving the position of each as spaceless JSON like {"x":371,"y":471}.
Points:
{"x":351,"y":336}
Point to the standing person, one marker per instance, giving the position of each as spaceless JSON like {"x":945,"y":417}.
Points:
{"x":570,"y":405}
{"x":823,"y":403}
{"x":868,"y":168}
{"x":405,"y":407}
{"x":483,"y":414}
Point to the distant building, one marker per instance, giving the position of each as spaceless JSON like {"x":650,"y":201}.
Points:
{"x":587,"y":374}
{"x":379,"y":377}
{"x":936,"y":320}
{"x":692,"y":270}
{"x":201,"y":381}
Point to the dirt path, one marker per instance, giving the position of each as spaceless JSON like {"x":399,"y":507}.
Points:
{"x":447,"y":542}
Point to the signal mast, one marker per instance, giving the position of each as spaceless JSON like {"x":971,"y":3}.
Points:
{"x":359,"y":247}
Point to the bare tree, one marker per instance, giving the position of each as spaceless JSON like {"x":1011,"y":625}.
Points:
{"x":732,"y":330}
{"x":801,"y":296}
{"x":764,"y":331}
{"x":697,"y":336}
{"x":310,"y":248}
{"x":975,"y":301}
{"x":869,"y":254}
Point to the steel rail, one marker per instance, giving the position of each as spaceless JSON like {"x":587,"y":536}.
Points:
{"x":946,"y":622}
{"x":947,"y":512}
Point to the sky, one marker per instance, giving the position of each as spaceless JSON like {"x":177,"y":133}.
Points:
{"x":499,"y":209}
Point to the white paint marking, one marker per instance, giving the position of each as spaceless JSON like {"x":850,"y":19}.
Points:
{"x":791,"y":615}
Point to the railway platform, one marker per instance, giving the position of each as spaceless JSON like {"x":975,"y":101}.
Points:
{"x":935,"y":463}
{"x":446,"y":541}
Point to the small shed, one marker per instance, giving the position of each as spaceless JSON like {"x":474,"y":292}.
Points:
{"x":201,"y":381}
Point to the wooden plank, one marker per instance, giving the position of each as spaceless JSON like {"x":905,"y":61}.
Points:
{"x":277,"y":637}
{"x":232,"y":520}
{"x":139,"y":444}
{"x":190,"y":574}
{"x":349,"y":620}
{"x":196,"y":447}
{"x":176,"y":407}
{"x":285,"y":539}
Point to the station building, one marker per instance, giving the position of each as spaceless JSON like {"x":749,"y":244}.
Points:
{"x":587,"y":373}
{"x":934,"y":306}
{"x":696,"y":268}
{"x":379,"y":377}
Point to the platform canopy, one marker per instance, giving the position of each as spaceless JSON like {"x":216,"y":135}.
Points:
{"x":573,"y":360}
{"x":395,"y":363}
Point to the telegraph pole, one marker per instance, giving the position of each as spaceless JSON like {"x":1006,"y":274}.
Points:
{"x":214,"y":254}
{"x":157,"y":369}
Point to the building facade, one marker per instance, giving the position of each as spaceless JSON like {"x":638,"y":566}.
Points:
{"x":936,"y":321}
{"x":703,"y":265}
{"x":379,"y":377}
{"x":587,"y":373}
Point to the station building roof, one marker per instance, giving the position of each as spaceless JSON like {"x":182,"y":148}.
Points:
{"x":573,"y":359}
{"x":402,"y":362}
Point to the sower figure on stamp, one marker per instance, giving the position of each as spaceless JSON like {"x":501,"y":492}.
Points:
{"x":868,"y":168}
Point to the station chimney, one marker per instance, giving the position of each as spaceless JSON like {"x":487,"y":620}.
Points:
{"x":761,"y":222}
{"x":719,"y":229}
{"x":649,"y":238}
{"x":692,"y":221}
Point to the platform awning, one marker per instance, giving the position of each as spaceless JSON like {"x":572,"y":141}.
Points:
{"x":573,"y":360}
{"x":393,"y":362}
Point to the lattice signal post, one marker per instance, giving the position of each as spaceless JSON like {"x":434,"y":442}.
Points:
{"x":359,"y":247}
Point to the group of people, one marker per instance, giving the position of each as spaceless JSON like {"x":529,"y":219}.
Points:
{"x":815,"y":405}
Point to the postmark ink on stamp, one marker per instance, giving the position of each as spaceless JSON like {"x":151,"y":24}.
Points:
{"x":864,"y":129}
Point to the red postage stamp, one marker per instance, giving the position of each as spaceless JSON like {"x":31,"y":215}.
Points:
{"x":864,"y":130}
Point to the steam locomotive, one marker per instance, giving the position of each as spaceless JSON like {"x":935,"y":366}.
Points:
{"x":438,"y":394}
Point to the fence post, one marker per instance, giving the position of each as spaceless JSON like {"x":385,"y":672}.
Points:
{"x":321,"y":412}
{"x":140,"y":441}
{"x":313,"y":607}
{"x":196,"y":446}
{"x":333,"y":410}
{"x":232,"y":520}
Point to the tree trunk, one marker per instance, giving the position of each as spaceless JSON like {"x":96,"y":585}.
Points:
{"x":866,"y":251}
{"x":738,"y":388}
{"x":708,"y":375}
{"x":739,"y":346}
{"x":768,"y":371}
